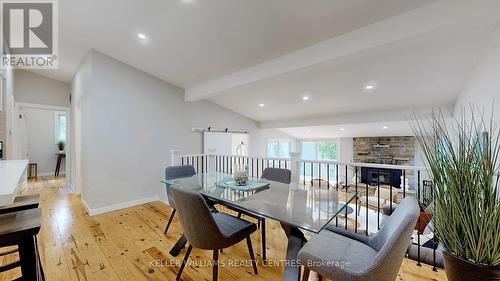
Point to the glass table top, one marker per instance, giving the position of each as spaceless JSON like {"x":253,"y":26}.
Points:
{"x":308,"y":208}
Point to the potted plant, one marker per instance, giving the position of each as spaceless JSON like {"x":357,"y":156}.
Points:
{"x":60,"y":145}
{"x":425,"y":203}
{"x":462,"y":154}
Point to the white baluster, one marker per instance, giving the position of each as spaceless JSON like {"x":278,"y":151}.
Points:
{"x":295,"y":166}
{"x":175,"y":157}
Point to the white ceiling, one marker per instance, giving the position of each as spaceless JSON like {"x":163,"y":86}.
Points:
{"x":239,"y":53}
{"x":374,"y":129}
{"x":191,"y":43}
{"x":422,"y":71}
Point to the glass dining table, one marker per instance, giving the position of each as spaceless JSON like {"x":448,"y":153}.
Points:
{"x":296,"y":207}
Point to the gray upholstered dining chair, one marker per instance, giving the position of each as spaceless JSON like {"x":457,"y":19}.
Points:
{"x":277,"y":174}
{"x":209,"y":231}
{"x":342,"y":255}
{"x":270,"y":174}
{"x":174,"y":172}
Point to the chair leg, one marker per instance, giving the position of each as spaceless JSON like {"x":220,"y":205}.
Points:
{"x":28,"y":261}
{"x":215,"y":269}
{"x":263,"y":238}
{"x":252,"y":257}
{"x":41,"y":273}
{"x":239,"y":215}
{"x":305,"y":276}
{"x":184,"y":262}
{"x":169,"y":221}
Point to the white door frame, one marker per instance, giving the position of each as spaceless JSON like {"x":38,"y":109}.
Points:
{"x":69,"y":129}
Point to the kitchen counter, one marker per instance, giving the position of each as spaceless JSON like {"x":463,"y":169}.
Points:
{"x":12,"y":175}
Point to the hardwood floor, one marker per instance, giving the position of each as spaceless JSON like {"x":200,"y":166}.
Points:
{"x":129,"y":244}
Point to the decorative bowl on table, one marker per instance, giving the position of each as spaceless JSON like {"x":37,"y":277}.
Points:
{"x":241,"y":177}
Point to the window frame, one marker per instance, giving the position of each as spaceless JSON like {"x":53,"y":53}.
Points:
{"x":278,"y":141}
{"x":316,"y":148}
{"x":57,"y":128}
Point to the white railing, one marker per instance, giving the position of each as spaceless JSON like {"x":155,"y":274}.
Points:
{"x":372,"y":182}
{"x":411,"y":176}
{"x":226,"y":163}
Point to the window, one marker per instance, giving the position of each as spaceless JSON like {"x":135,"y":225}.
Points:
{"x":318,"y":150}
{"x":308,"y":150}
{"x":327,"y":150}
{"x":278,"y":148}
{"x":60,"y":126}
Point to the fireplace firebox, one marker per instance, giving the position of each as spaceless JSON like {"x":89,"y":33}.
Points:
{"x":373,"y":176}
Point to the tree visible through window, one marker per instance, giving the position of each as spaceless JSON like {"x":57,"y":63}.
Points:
{"x":317,"y":150}
{"x":327,"y":150}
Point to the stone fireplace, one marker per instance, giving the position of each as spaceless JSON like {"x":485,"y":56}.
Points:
{"x":384,"y":150}
{"x":395,"y":150}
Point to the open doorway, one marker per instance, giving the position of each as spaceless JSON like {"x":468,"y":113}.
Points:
{"x":43,"y":139}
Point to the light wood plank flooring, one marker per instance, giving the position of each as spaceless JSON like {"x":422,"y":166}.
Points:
{"x":129,"y":244}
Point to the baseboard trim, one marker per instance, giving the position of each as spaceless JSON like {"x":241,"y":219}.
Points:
{"x":85,"y":205}
{"x":118,"y":206}
{"x":50,"y":174}
{"x":165,"y":202}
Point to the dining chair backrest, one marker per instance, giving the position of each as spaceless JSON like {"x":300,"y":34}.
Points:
{"x":174,"y":172}
{"x":200,"y":228}
{"x":392,"y":240}
{"x":277,"y":174}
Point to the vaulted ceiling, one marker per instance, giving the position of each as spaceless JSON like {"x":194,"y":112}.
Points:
{"x":194,"y":41}
{"x":243,"y":53}
{"x":422,"y":71}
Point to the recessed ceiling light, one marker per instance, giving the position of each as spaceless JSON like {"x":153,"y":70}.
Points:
{"x":308,"y":130}
{"x":261,"y":104}
{"x":187,"y":1}
{"x":342,"y":129}
{"x":370,"y":87}
{"x":141,"y":36}
{"x":305,"y":98}
{"x":385,"y":127}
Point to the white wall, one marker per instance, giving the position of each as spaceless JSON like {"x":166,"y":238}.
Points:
{"x":130,"y":121}
{"x":30,"y":87}
{"x":218,"y":143}
{"x":345,"y":153}
{"x":41,"y":139}
{"x":258,"y":141}
{"x":345,"y":149}
{"x":236,"y":140}
{"x":3,"y":131}
{"x":483,"y":87}
{"x":80,"y":89}
{"x":11,"y":146}
{"x":224,"y":143}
